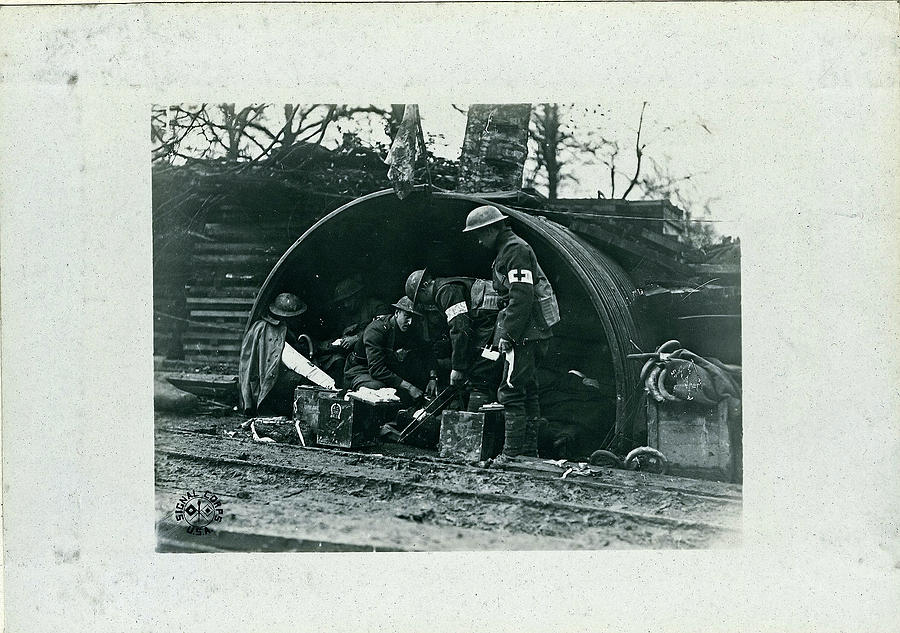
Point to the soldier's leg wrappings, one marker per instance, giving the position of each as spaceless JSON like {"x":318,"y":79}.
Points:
{"x":513,"y":394}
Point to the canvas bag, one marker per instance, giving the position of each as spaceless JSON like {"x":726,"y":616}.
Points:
{"x":546,"y":298}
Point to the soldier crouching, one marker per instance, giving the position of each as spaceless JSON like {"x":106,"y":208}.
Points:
{"x":387,"y":355}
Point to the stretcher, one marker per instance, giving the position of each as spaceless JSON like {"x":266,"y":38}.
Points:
{"x":429,"y":411}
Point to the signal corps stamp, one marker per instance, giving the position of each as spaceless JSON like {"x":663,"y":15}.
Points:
{"x":198,"y":511}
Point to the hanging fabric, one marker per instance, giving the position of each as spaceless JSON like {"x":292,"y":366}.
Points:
{"x":407,"y":148}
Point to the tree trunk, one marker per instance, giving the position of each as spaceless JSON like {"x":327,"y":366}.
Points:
{"x":550,"y":148}
{"x":494,"y":148}
{"x":228,"y":114}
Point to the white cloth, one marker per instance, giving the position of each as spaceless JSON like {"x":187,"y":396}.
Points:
{"x":297,"y":362}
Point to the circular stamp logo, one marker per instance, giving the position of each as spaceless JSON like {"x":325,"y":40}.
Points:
{"x":198,"y":511}
{"x":336,"y":411}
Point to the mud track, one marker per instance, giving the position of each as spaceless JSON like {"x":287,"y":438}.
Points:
{"x":286,"y":498}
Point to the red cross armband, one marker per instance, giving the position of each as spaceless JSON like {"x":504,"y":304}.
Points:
{"x":521,"y":276}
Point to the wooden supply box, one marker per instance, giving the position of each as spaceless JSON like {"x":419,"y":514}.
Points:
{"x":352,"y":423}
{"x":698,"y":440}
{"x":472,"y":436}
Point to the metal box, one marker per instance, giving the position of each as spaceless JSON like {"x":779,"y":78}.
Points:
{"x":697,"y":440}
{"x":351,"y":423}
{"x":306,"y":410}
{"x":279,"y":429}
{"x":471,"y":436}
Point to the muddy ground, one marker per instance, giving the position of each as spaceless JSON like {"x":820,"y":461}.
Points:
{"x":278,"y":497}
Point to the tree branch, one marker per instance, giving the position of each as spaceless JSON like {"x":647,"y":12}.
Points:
{"x":639,"y":151}
{"x":325,"y":122}
{"x":285,"y":130}
{"x":168,"y":147}
{"x":260,"y":128}
{"x":371,"y":108}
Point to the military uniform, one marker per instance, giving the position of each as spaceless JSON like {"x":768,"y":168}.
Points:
{"x":375,"y":362}
{"x":470,"y":308}
{"x":332,"y":358}
{"x":529,"y":310}
{"x":266,"y":384}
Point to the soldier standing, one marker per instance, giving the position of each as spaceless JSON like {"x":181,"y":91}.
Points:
{"x":528,"y":311}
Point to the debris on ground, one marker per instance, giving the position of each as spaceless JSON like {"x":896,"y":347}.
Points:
{"x":281,"y":497}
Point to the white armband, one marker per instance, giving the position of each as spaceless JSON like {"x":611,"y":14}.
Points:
{"x":455,"y":310}
{"x":520,"y":275}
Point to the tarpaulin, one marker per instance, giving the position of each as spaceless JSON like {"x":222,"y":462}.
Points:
{"x":405,"y":151}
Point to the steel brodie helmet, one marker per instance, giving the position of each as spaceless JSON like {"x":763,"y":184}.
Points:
{"x":414,"y":283}
{"x":483,"y":216}
{"x":346,"y":289}
{"x":406,"y":305}
{"x":287,"y":305}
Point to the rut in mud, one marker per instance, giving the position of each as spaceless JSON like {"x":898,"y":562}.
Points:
{"x":280,"y":497}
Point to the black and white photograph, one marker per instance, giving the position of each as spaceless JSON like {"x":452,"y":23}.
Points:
{"x":404,"y":328}
{"x":488,"y":316}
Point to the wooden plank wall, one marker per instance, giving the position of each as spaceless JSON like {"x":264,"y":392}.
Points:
{"x":229,"y":263}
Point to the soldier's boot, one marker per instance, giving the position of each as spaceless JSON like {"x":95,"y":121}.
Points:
{"x":514,"y":437}
{"x":530,"y":442}
{"x":476,"y":400}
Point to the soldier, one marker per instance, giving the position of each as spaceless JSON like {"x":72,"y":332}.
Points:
{"x":469,"y":306}
{"x":528,"y":311}
{"x":355,"y":311}
{"x":270,"y":367}
{"x":380,"y":360}
{"x":352,"y":311}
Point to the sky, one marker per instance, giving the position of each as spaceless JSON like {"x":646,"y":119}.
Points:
{"x":754,"y":100}
{"x":687,"y":139}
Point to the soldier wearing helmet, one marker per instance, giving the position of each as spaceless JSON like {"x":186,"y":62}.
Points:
{"x":354,"y":311}
{"x":351,"y":311}
{"x":469,"y":308}
{"x":266,"y":382}
{"x":381,"y":358}
{"x":529,"y":309}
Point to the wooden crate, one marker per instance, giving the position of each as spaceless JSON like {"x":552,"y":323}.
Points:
{"x":352,"y":423}
{"x":306,"y":410}
{"x":471,"y":436}
{"x":697,"y":440}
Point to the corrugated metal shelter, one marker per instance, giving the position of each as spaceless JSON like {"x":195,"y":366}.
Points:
{"x":383,"y":239}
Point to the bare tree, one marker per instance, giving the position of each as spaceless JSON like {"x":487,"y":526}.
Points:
{"x":249,"y":134}
{"x":639,"y":153}
{"x":608,"y":152}
{"x":557,"y":142}
{"x":551,"y":135}
{"x":203,"y":132}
